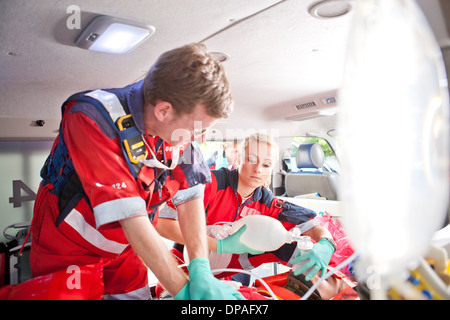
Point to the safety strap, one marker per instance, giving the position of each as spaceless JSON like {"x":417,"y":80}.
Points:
{"x":111,"y":108}
{"x":115,"y":110}
{"x":58,"y":168}
{"x":110,"y":102}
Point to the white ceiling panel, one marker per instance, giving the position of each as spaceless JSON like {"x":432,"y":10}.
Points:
{"x":280,"y":54}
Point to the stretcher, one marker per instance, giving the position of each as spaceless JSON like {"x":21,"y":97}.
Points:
{"x":287,"y":286}
{"x":76,"y":283}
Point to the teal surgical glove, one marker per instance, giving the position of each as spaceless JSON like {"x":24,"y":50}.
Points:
{"x":233,"y":244}
{"x":204,"y":286}
{"x":319,"y":258}
{"x":183,"y":294}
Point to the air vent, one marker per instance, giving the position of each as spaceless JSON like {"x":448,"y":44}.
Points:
{"x":323,"y":104}
{"x":305,"y":105}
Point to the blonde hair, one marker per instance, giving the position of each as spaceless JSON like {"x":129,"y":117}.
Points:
{"x":264,"y":138}
{"x":188,"y":76}
{"x":268,"y":140}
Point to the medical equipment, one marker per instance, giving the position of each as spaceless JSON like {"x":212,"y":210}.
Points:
{"x":133,"y":144}
{"x":304,"y":244}
{"x":216,"y":271}
{"x":328,"y":274}
{"x":154,"y":163}
{"x":394,"y":106}
{"x":265,"y":233}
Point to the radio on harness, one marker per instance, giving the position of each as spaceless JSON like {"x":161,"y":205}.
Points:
{"x":134,"y":145}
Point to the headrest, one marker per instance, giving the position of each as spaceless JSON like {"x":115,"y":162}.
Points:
{"x":310,"y":156}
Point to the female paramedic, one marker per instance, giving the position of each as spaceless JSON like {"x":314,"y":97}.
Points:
{"x":116,"y":160}
{"x":237,"y":193}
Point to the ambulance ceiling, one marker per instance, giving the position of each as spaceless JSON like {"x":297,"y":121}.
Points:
{"x":279,"y":54}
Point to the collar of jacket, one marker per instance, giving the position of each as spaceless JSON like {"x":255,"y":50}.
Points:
{"x":135,"y":101}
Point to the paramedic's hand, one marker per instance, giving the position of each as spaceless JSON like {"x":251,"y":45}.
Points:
{"x":204,"y":286}
{"x":319,"y":257}
{"x":233,"y":244}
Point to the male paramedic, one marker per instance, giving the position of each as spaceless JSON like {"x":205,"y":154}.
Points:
{"x":119,"y":155}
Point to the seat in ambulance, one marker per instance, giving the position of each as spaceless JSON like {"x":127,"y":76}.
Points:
{"x":307,"y":181}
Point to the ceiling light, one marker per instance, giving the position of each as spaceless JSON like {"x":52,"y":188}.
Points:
{"x":329,"y":9}
{"x":113,"y":35}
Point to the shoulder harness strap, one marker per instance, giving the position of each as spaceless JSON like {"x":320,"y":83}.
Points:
{"x":130,"y":138}
{"x":58,"y":168}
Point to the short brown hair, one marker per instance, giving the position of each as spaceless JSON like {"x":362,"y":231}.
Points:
{"x":188,"y":76}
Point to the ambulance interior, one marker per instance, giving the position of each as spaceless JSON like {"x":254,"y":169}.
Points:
{"x":287,"y":62}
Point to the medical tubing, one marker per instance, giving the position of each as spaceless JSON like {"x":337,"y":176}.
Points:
{"x":249,"y":273}
{"x":432,"y":279}
{"x":328,"y":274}
{"x":240,"y":271}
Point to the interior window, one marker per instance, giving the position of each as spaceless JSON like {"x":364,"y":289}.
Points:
{"x":212,"y":152}
{"x":330,"y":164}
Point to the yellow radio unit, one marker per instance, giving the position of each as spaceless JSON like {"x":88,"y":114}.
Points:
{"x":134,"y":145}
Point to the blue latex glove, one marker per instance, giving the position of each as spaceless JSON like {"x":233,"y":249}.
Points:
{"x":319,"y":258}
{"x":183,"y":294}
{"x":204,"y":286}
{"x":233,"y":244}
